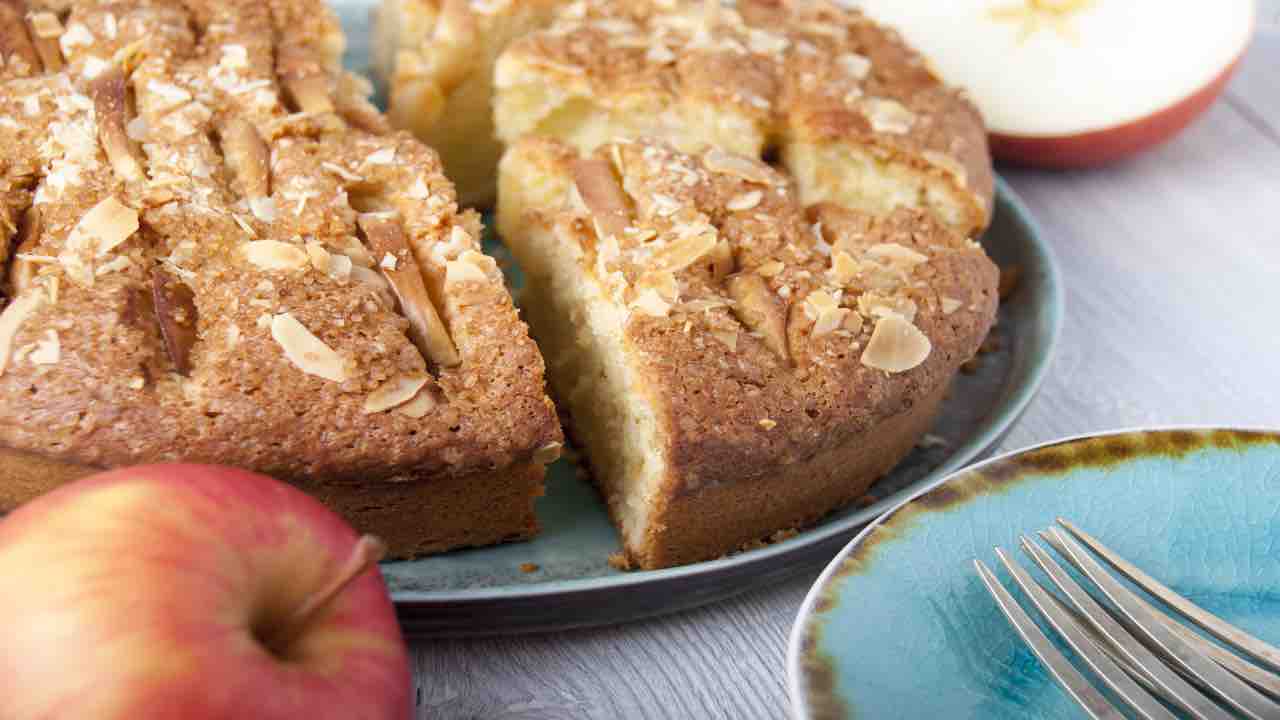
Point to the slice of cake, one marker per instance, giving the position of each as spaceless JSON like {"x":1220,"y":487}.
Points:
{"x":437,"y":59}
{"x":855,"y":116}
{"x":734,"y":365}
{"x":220,"y":255}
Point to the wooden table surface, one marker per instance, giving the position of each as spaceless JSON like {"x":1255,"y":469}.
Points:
{"x":1172,"y":268}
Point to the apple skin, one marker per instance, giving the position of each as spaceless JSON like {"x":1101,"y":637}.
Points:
{"x":136,"y":593}
{"x":1101,"y":147}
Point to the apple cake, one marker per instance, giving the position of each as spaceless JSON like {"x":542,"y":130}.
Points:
{"x":854,"y":115}
{"x":734,"y":363}
{"x":437,"y":59}
{"x":219,"y":253}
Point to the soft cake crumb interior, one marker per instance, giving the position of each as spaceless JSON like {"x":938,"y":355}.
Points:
{"x":525,"y":105}
{"x":836,"y":172}
{"x":581,"y":334}
{"x":854,"y":178}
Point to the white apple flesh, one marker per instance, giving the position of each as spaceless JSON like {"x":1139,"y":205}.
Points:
{"x":186,"y":591}
{"x":1078,"y":83}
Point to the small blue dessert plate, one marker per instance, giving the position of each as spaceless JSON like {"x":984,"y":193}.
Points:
{"x":900,"y":626}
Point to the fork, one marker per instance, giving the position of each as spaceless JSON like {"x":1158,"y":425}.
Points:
{"x":1154,"y":664}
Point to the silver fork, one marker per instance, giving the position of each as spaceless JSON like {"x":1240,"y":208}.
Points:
{"x":1138,"y":652}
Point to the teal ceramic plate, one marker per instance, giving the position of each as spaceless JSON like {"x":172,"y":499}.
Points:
{"x":899,"y":626}
{"x":486,"y":591}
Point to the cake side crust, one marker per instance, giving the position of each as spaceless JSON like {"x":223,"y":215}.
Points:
{"x":414,"y":517}
{"x":716,"y":521}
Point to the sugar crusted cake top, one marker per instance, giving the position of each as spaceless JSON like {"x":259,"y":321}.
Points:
{"x":767,"y":327}
{"x":777,"y":70}
{"x":221,"y":254}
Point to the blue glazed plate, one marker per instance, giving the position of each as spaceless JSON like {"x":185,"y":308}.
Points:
{"x":486,"y":591}
{"x":899,"y":626}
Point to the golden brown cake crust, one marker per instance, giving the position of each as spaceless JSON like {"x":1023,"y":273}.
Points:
{"x":810,"y":72}
{"x":777,"y":344}
{"x":459,"y":511}
{"x":220,"y":255}
{"x":735,"y":406}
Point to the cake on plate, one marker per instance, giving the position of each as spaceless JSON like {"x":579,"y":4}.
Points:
{"x":851,"y":112}
{"x":221,"y":254}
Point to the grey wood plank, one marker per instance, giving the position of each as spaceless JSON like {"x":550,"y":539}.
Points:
{"x":1172,"y":264}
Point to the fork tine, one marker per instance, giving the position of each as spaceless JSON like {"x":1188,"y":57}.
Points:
{"x":1254,"y":675}
{"x":1231,"y":689}
{"x":1173,"y":687}
{"x":1226,"y":632}
{"x":1080,"y":690}
{"x":1075,"y":635}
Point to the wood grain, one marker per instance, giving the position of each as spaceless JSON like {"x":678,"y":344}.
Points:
{"x":1172,"y":263}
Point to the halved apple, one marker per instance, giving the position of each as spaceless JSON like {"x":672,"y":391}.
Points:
{"x":1078,"y":83}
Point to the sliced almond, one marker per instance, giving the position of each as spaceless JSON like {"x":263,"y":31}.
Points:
{"x":103,"y":228}
{"x":467,"y":268}
{"x":844,"y":269}
{"x":394,"y":393}
{"x":48,"y":350}
{"x":319,"y":257}
{"x":888,"y":116}
{"x":273,"y":255}
{"x":686,"y":251}
{"x":110,"y":105}
{"x":548,"y":453}
{"x":896,"y":345}
{"x":854,"y":65}
{"x":770,"y":268}
{"x":649,"y":302}
{"x":306,"y":351}
{"x":176,"y":314}
{"x":248,"y":157}
{"x":895,"y":254}
{"x":15,"y":45}
{"x":418,"y":407}
{"x":745,"y":201}
{"x":602,"y":194}
{"x":950,"y":305}
{"x":11,"y":321}
{"x":825,"y":312}
{"x":46,"y":29}
{"x":722,"y":260}
{"x":761,"y":311}
{"x":304,"y":79}
{"x":663,"y":282}
{"x":719,"y":161}
{"x":384,"y":234}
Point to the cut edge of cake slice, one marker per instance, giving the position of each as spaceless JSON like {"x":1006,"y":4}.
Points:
{"x":437,"y":59}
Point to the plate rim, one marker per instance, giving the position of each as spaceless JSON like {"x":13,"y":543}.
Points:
{"x":1012,"y":408}
{"x":798,"y":696}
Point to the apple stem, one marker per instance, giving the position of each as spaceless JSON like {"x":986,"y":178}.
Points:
{"x":368,"y":551}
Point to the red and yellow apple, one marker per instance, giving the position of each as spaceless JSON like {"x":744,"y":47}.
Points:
{"x":1078,"y":83}
{"x":186,"y":591}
